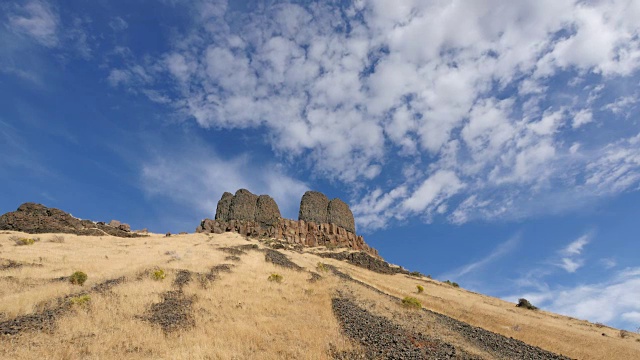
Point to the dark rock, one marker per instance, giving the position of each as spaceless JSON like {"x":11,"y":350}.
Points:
{"x":243,"y":205}
{"x":267,"y":211}
{"x":224,"y":207}
{"x":280,"y":259}
{"x":366,"y":261}
{"x":38,"y":219}
{"x":340,"y":214}
{"x":314,"y":207}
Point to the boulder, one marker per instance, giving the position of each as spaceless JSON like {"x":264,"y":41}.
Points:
{"x":314,"y":207}
{"x":243,"y":206}
{"x":267,"y":211}
{"x":224,"y":207}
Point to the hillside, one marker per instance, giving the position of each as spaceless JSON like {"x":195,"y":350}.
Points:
{"x":216,"y":302}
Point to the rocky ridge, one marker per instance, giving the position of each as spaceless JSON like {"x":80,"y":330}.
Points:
{"x":35,"y":218}
{"x":321,"y":222}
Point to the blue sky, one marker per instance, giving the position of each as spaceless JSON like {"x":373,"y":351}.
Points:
{"x":494,"y":144}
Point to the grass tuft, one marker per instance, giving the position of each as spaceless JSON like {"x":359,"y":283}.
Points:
{"x":78,"y":278}
{"x":420,"y":289}
{"x":275,"y":278}
{"x":411,"y":302}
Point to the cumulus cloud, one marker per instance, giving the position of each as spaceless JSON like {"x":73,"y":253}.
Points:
{"x":469,"y":96}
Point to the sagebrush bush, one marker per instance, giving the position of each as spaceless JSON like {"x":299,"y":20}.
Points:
{"x":81,"y":300}
{"x":23,"y":241}
{"x":416,"y":274}
{"x":322,"y":267}
{"x":420,"y":288}
{"x":524,"y":303}
{"x":454,"y":284}
{"x":158,"y":275}
{"x":78,"y":278}
{"x":411,"y":302}
{"x":275,"y":277}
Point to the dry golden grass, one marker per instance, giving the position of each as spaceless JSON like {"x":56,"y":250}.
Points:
{"x":241,"y":315}
{"x":560,"y":334}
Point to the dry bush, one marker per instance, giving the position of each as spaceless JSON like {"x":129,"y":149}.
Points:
{"x":57,"y":239}
{"x":78,"y":278}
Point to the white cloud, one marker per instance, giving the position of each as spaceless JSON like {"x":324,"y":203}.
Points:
{"x":38,"y":20}
{"x":609,"y":302}
{"x":500,"y":251}
{"x":118,"y":24}
{"x":476,"y":110}
{"x":571,"y":260}
{"x":194,"y":175}
{"x":576,"y":246}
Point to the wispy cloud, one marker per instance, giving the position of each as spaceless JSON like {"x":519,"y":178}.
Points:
{"x":196,"y":176}
{"x":497,"y":253}
{"x":571,"y":260}
{"x":37,"y":19}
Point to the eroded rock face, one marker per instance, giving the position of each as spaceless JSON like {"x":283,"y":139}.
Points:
{"x":38,"y":219}
{"x":314,"y":207}
{"x":267,"y":211}
{"x":243,"y":206}
{"x":224,"y":207}
{"x":341,"y":215}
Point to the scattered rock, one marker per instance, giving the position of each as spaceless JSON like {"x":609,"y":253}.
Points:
{"x":280,"y":259}
{"x":173,"y":312}
{"x":383,"y":339}
{"x":182,"y":278}
{"x":314,"y":277}
{"x":366,"y":261}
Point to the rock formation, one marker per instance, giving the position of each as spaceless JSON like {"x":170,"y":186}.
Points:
{"x":246,"y":206}
{"x":224,"y":205}
{"x":322,"y":222}
{"x":243,"y":206}
{"x":314,"y":207}
{"x":341,"y":215}
{"x":38,"y":219}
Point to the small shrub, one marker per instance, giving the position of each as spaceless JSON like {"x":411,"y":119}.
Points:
{"x":158,"y":275}
{"x":57,"y":239}
{"x":411,"y":302}
{"x":420,"y":288}
{"x":524,"y":303}
{"x":416,"y":274}
{"x":78,"y":278}
{"x":275,"y":277}
{"x":322,"y":267}
{"x":624,"y":334}
{"x":429,"y":276}
{"x":599,"y":325}
{"x":81,"y":300}
{"x":454,"y":284}
{"x":23,"y":241}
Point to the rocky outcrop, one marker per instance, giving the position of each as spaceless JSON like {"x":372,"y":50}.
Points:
{"x":38,"y":219}
{"x":314,"y":207}
{"x":243,"y":206}
{"x":246,"y":206}
{"x":294,"y":232}
{"x":322,"y":222}
{"x":340,"y":214}
{"x":267,"y":211}
{"x":224,"y":206}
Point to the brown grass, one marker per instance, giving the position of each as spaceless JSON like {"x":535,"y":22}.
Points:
{"x":241,"y":315}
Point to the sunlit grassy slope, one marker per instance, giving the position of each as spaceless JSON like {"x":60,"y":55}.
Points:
{"x":240,"y":314}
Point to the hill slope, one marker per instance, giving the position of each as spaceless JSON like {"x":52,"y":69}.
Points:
{"x":216,"y":302}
